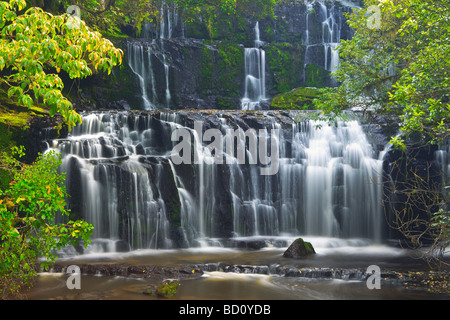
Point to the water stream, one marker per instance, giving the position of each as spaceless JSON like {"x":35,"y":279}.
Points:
{"x":255,"y":74}
{"x":334,"y":273}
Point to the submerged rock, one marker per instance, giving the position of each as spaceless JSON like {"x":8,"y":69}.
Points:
{"x":299,"y":249}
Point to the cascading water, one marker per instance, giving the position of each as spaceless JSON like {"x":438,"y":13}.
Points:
{"x":140,"y":62}
{"x":168,"y":20}
{"x":166,"y":13}
{"x":330,"y":37}
{"x":255,"y":74}
{"x":166,"y":24}
{"x":327,"y":44}
{"x":142,"y":57}
{"x":121,"y":179}
{"x":142,"y":54}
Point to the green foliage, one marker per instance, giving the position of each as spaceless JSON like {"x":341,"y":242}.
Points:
{"x":440,"y":224}
{"x":286,"y":63}
{"x":297,"y":99}
{"x":221,"y":66}
{"x":230,"y":65}
{"x":207,"y":74}
{"x":401,"y":67}
{"x":36,"y":46}
{"x":222,"y":19}
{"x":28,"y":230}
{"x":167,"y":289}
{"x":315,"y":76}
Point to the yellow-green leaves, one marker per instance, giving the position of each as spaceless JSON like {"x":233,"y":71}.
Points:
{"x":36,"y":46}
{"x":17,"y":4}
{"x":27,"y":219}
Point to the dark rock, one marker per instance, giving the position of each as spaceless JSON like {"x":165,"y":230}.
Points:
{"x":299,"y":249}
{"x":136,"y":271}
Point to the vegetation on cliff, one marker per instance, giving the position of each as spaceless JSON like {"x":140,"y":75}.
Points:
{"x":297,"y":99}
{"x":397,"y":62}
{"x":36,"y":46}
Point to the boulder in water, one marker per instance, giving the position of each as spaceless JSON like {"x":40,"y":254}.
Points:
{"x":299,"y":249}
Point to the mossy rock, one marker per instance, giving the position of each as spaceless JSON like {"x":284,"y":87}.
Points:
{"x":167,"y":289}
{"x":316,"y":76}
{"x":299,"y":249}
{"x":164,"y":290}
{"x":296,"y":99}
{"x":14,"y":114}
{"x":286,"y":62}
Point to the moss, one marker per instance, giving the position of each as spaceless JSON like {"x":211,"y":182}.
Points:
{"x":148,"y":292}
{"x":167,"y":289}
{"x":16,"y":115}
{"x":231,"y":64}
{"x":14,"y":121}
{"x":315,"y":76}
{"x":206,"y":74}
{"x":309,"y":247}
{"x":286,"y":63}
{"x":196,"y":30}
{"x":221,"y":67}
{"x":297,"y":99}
{"x":224,"y":103}
{"x":299,"y":249}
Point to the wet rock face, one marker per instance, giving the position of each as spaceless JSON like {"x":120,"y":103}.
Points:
{"x":186,"y":71}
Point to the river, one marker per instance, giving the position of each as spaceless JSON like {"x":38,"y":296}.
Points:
{"x":340,"y":258}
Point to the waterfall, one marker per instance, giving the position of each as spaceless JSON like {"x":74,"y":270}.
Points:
{"x":165,"y":26}
{"x":121,"y":178}
{"x":142,"y":56}
{"x":140,"y":62}
{"x":323,"y":48}
{"x":330,"y":37}
{"x":166,"y":18}
{"x":255,"y":74}
{"x":141,"y":53}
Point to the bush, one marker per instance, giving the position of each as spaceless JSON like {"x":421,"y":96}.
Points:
{"x":28,"y":231}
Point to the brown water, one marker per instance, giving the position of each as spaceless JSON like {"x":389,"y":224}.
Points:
{"x":235,"y":286}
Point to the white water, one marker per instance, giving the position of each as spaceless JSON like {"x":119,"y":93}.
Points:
{"x":342,"y":257}
{"x":140,"y":62}
{"x":327,"y":184}
{"x":167,"y":13}
{"x":141,"y":53}
{"x":255,"y":74}
{"x":165,"y":25}
{"x":331,"y":34}
{"x":141,"y":57}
